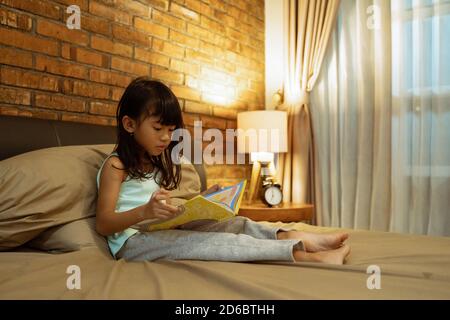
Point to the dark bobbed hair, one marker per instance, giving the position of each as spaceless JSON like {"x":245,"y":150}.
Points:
{"x":144,"y":98}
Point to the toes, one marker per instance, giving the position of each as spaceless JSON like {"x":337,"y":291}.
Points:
{"x":344,"y":237}
{"x":346,"y":250}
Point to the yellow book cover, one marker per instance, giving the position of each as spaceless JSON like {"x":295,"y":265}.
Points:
{"x":220,"y":205}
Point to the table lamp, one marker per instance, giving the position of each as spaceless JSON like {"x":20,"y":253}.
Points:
{"x":262,"y":133}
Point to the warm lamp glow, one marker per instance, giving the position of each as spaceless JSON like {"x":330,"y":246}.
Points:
{"x":217,"y":87}
{"x":217,"y":100}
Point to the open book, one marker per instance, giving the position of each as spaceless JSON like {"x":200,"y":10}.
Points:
{"x":220,"y":205}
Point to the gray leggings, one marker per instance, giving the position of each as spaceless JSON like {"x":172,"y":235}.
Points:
{"x":237,"y":239}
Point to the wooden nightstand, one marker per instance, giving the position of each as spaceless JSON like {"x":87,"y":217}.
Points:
{"x":286,"y":212}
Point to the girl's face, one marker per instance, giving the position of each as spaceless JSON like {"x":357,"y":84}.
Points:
{"x":152,"y":136}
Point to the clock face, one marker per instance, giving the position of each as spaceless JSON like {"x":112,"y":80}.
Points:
{"x":273,"y":195}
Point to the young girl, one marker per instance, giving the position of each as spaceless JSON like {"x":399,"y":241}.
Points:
{"x":133,"y":184}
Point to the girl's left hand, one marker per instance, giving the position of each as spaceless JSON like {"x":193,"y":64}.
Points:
{"x":211,"y":189}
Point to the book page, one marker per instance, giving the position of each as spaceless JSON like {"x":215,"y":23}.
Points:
{"x":197,"y":208}
{"x":206,"y":208}
{"x":229,"y":196}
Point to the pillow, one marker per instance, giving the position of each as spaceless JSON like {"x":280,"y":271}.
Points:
{"x":81,"y":234}
{"x":72,"y":236}
{"x":47,"y":194}
{"x":47,"y":188}
{"x":190,"y":184}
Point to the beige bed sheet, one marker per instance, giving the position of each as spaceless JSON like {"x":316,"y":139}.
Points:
{"x":412,"y":267}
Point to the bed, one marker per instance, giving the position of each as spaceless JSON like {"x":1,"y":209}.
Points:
{"x":43,"y":168}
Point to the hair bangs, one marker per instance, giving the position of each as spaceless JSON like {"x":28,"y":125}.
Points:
{"x":163,"y":104}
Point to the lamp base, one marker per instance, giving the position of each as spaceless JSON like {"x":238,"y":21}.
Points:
{"x":261,"y":172}
{"x":254,"y":182}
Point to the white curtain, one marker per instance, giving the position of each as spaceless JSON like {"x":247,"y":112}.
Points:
{"x":308,"y":25}
{"x":381,"y":118}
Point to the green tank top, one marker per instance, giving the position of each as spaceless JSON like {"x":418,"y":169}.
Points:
{"x":133,"y":193}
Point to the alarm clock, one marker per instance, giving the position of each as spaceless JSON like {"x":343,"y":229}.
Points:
{"x":272,"y":194}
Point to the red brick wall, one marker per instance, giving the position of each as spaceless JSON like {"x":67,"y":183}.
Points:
{"x":210,"y":52}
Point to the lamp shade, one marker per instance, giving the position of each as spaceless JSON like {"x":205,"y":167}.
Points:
{"x":262,"y":131}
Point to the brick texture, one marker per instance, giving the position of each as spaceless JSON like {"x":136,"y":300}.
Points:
{"x":210,"y":52}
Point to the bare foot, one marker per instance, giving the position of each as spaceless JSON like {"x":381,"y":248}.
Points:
{"x":336,"y":256}
{"x":315,"y":242}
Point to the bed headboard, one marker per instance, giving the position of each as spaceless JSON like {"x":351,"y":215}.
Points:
{"x":23,"y":134}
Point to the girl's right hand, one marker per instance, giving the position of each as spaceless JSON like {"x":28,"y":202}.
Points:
{"x":157,"y":207}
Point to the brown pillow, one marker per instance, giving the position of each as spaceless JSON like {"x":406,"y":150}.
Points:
{"x":72,"y":236}
{"x":190,"y":185}
{"x":42,"y":192}
{"x":81,"y":234}
{"x":47,"y":188}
